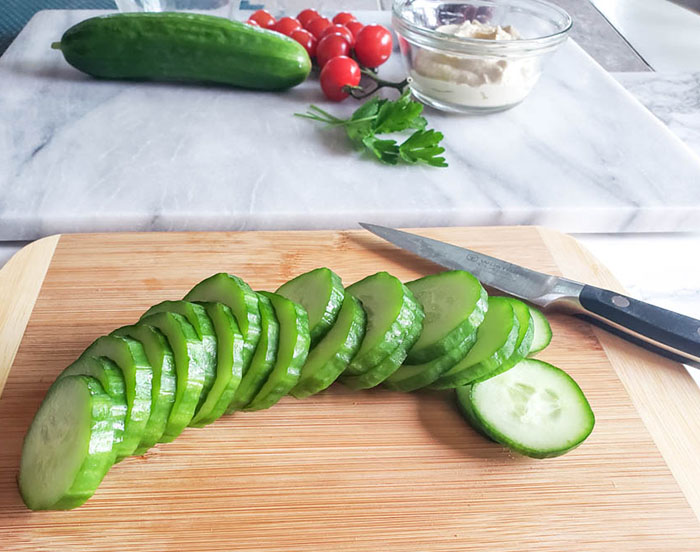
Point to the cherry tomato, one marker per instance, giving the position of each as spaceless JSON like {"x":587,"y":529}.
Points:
{"x":373,"y":45}
{"x":306,"y":16}
{"x":316,"y":26}
{"x":306,"y":39}
{"x":263,"y":18}
{"x":253,"y":23}
{"x":341,"y":30}
{"x":286,"y":26}
{"x":339,"y":72}
{"x":331,"y":46}
{"x":354,"y":27}
{"x":343,"y":17}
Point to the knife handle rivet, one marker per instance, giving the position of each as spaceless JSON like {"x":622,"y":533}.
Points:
{"x":620,"y":301}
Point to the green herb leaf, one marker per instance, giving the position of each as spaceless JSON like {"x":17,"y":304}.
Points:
{"x":387,"y":151}
{"x":422,"y":147}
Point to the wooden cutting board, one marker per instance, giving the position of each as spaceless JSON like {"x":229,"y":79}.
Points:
{"x":344,"y":470}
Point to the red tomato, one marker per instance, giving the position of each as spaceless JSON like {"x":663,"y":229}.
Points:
{"x":343,"y":17}
{"x":341,"y":30}
{"x":339,"y":72}
{"x":306,"y":16}
{"x":286,"y":26}
{"x":373,"y":45}
{"x":316,"y":26}
{"x":306,"y":39}
{"x":354,"y":27}
{"x":253,"y":23}
{"x":331,"y":46}
{"x":263,"y":18}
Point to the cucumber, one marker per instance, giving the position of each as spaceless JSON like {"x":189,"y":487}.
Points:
{"x":229,"y":365}
{"x":390,"y":308}
{"x":495,"y":342}
{"x":68,"y":448}
{"x":129,"y":355}
{"x":321,"y":293}
{"x":263,"y":359}
{"x":534,"y":409}
{"x":335,"y":351}
{"x":243,"y":302}
{"x":184,"y":47}
{"x":164,"y":382}
{"x":292,"y":351}
{"x":190,"y":360}
{"x":454,"y":303}
{"x":542,"y":332}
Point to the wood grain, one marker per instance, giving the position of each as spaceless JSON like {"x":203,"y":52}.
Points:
{"x":343,"y":470}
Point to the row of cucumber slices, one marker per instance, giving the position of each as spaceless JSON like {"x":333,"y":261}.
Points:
{"x":225,"y":348}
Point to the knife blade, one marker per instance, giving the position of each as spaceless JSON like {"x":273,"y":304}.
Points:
{"x":662,"y":331}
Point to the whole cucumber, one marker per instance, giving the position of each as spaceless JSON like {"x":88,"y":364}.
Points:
{"x":184,"y":47}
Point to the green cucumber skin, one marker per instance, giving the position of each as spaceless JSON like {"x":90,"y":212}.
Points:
{"x":185,"y":47}
{"x":465,"y":407}
{"x":542,"y":332}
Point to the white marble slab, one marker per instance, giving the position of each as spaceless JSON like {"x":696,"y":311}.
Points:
{"x":77,"y":154}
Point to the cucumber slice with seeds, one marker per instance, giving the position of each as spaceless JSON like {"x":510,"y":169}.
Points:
{"x":264,"y":358}
{"x":542,"y":332}
{"x":189,"y":368}
{"x":131,"y":358}
{"x":390,"y":308}
{"x":334,"y":352}
{"x":293,"y":349}
{"x":68,"y":448}
{"x":321,"y":293}
{"x":162,"y":362}
{"x":455,"y":304}
{"x":534,"y":408}
{"x":495,"y":343}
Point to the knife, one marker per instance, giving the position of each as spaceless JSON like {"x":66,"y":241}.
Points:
{"x":662,"y":331}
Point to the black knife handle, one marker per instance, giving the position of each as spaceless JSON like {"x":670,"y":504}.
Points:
{"x":662,"y":326}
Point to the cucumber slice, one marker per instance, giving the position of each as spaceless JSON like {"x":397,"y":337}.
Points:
{"x":390,"y":307}
{"x":229,"y":365}
{"x":321,"y":293}
{"x":377,"y":374}
{"x":334,"y":352}
{"x":68,"y":448}
{"x":129,"y":355}
{"x":455,"y":304}
{"x":534,"y":408}
{"x":197,"y":316}
{"x":543,"y":332}
{"x":293,"y":349}
{"x":495,"y":342}
{"x":416,"y":376}
{"x":162,"y":362}
{"x":189,"y":367}
{"x":243,"y":301}
{"x":263,"y":359}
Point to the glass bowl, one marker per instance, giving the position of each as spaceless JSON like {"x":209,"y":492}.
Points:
{"x":468,"y":74}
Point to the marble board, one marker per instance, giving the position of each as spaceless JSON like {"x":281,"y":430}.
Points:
{"x":82,"y":155}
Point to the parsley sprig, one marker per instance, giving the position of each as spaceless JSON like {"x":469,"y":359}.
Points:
{"x":381,"y":116}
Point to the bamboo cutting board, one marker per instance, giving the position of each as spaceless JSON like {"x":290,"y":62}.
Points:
{"x":344,"y":470}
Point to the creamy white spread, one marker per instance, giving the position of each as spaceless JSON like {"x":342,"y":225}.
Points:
{"x":474,"y":81}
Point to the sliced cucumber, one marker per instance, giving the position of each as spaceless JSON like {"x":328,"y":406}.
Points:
{"x":263,"y":359}
{"x":465,"y":407}
{"x":543,"y":332}
{"x":131,"y":358}
{"x":455,"y":304}
{"x":190,"y":361}
{"x":534,"y":408}
{"x":390,"y":308}
{"x":292,"y":351}
{"x":243,"y":302}
{"x":495,"y":342}
{"x":162,"y":362}
{"x":197,"y":316}
{"x":321,"y":293}
{"x":333,"y":353}
{"x":229,"y":365}
{"x":69,"y":445}
{"x":416,"y":376}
